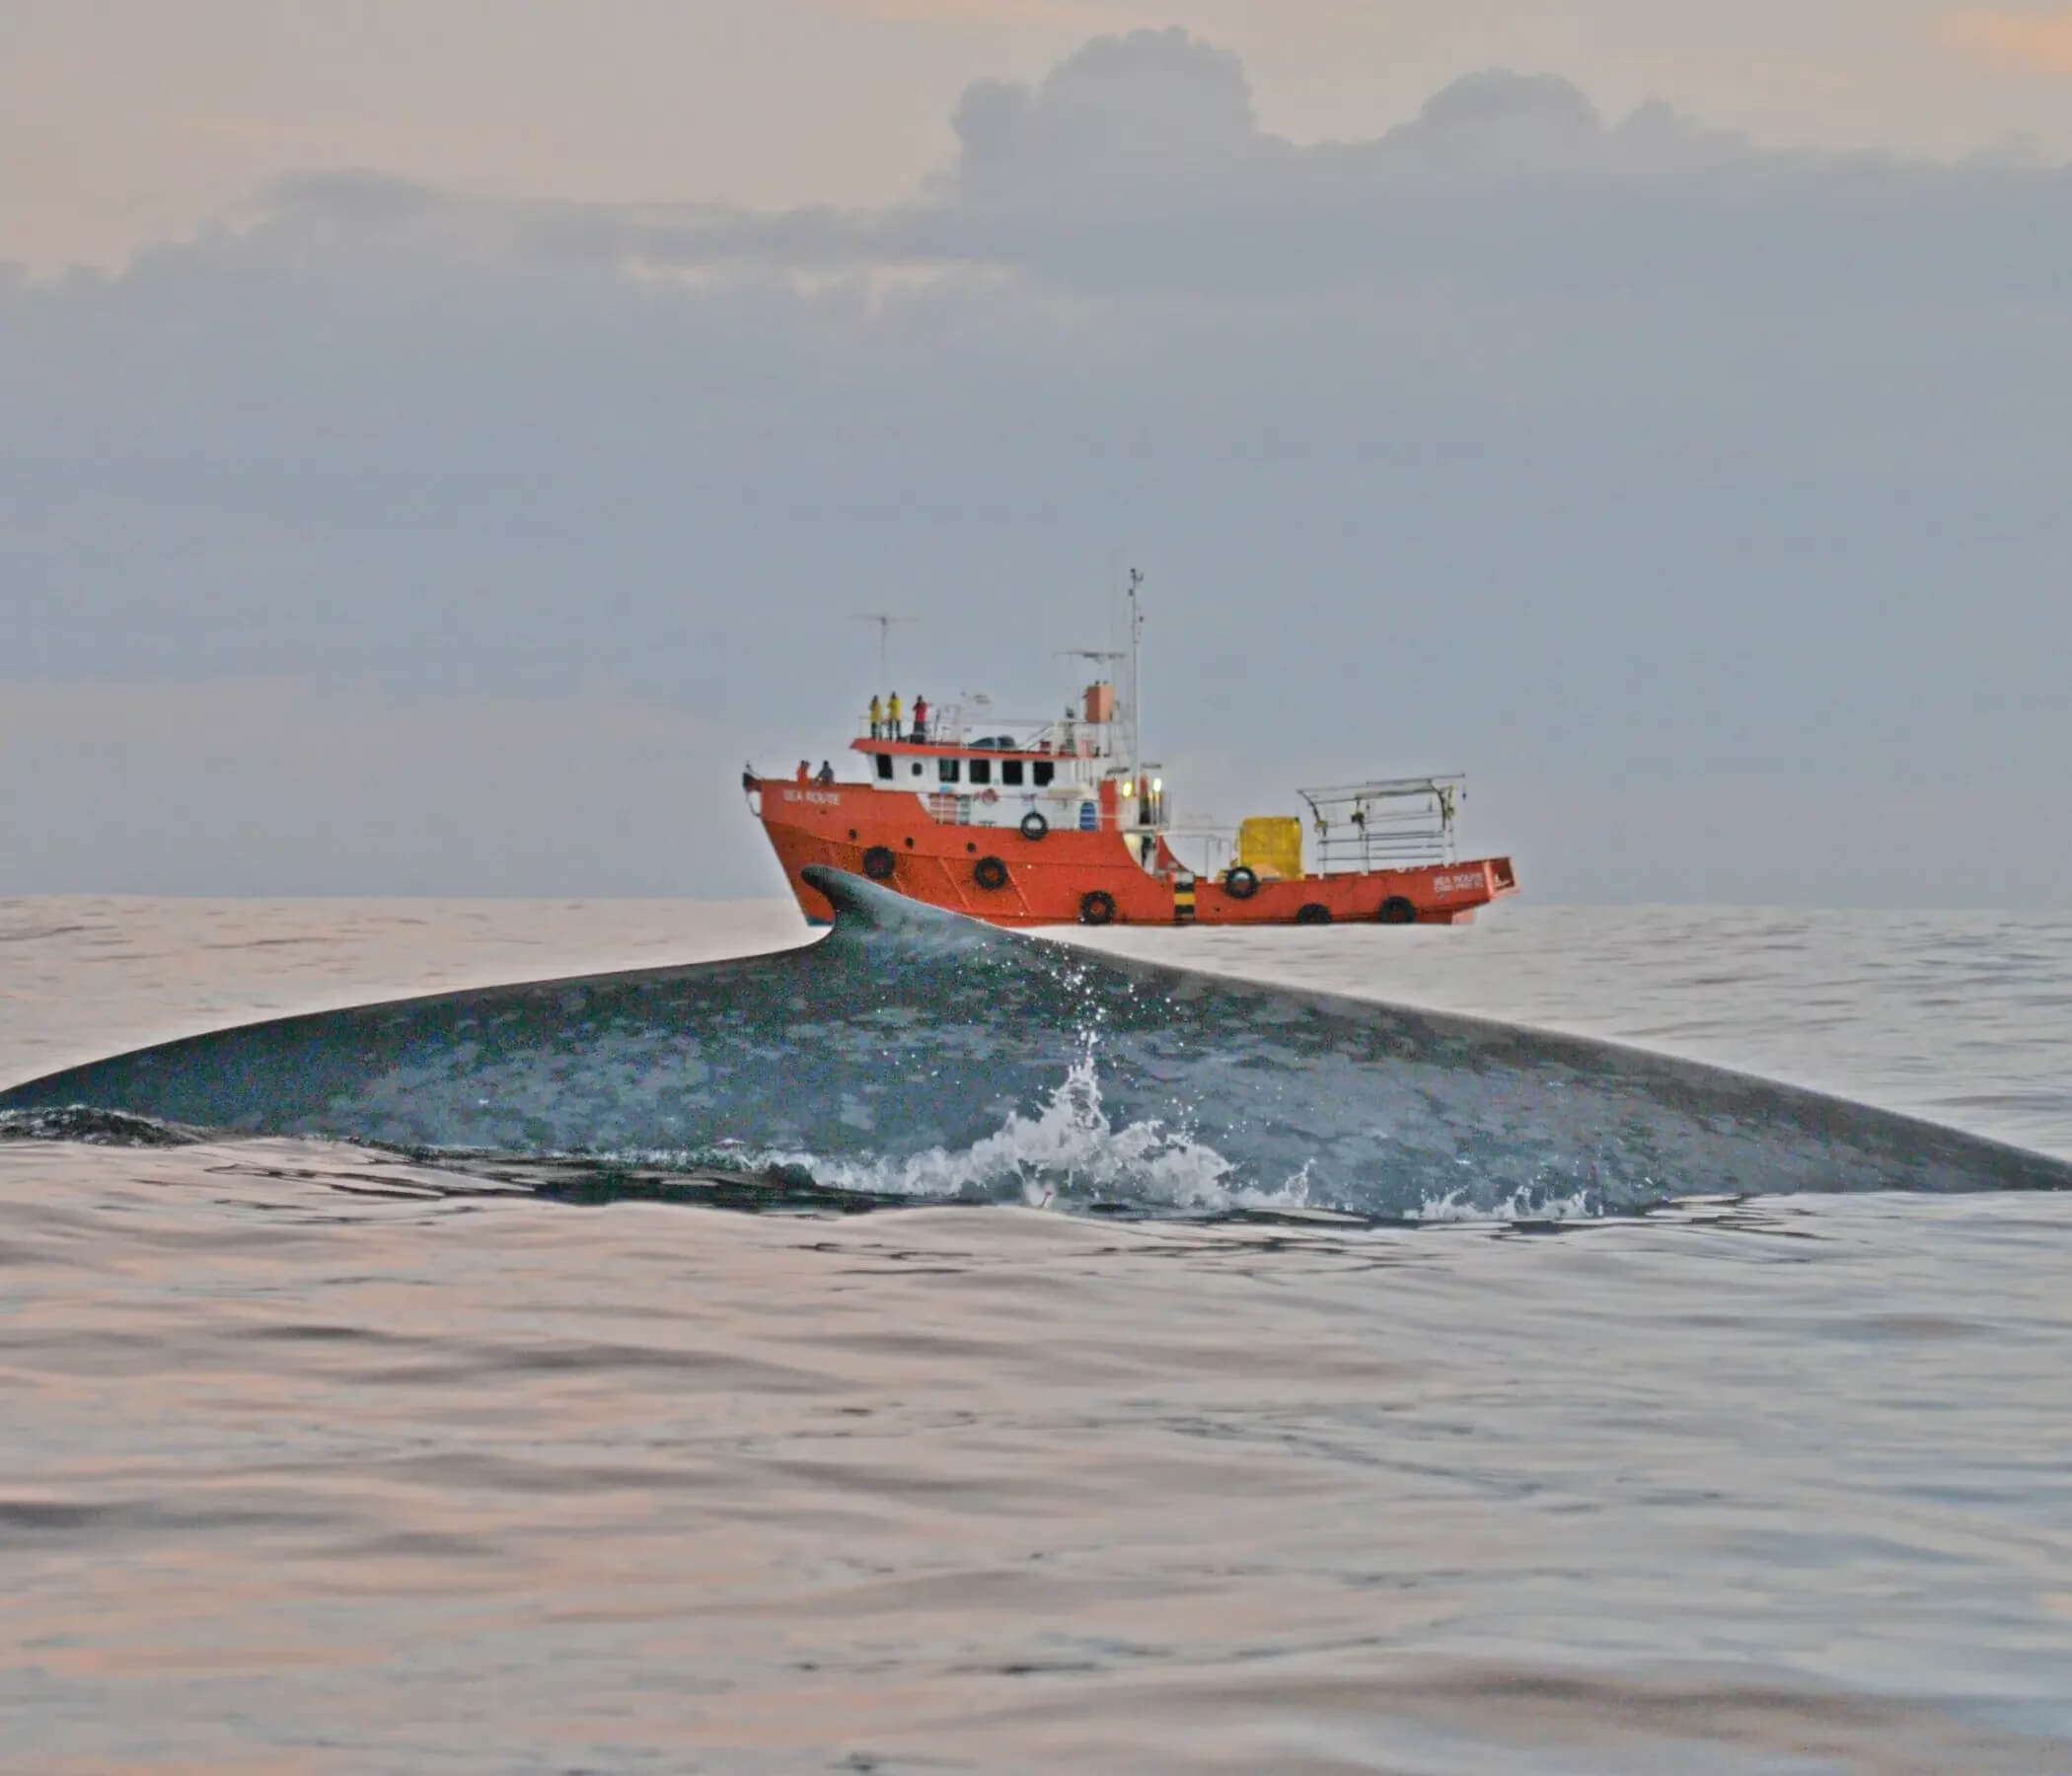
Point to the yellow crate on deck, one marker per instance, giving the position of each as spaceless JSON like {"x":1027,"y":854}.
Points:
{"x":1270,"y":845}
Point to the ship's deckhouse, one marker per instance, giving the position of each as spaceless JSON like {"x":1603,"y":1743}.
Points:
{"x":999,"y":781}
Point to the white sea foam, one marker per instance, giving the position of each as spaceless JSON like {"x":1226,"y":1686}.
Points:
{"x":1069,"y":1151}
{"x":1523,"y":1204}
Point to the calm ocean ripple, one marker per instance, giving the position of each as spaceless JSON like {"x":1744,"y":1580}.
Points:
{"x":330,"y":1459}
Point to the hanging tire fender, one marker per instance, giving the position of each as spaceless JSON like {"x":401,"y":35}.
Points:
{"x":1034,"y":827}
{"x":879,"y":861}
{"x":991,"y":873}
{"x":1096,"y":907}
{"x":1240,"y":884}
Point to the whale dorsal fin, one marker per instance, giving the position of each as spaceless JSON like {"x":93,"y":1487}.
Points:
{"x":864,"y":906}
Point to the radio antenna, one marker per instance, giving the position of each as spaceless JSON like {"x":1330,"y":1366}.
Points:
{"x":884,"y":623}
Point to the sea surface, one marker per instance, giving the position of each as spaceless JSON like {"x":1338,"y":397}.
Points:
{"x":314,"y":1458}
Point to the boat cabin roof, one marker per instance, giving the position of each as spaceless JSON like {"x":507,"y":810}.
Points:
{"x":928,"y":749}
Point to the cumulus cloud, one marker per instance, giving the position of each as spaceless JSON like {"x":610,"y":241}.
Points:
{"x":1136,"y":164}
{"x":1646,"y":472}
{"x":1130,"y":107}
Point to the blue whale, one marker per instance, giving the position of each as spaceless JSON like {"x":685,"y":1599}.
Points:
{"x":914,"y":1051}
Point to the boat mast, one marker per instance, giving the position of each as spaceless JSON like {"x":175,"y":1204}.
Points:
{"x":1135,"y":683}
{"x":884,"y":639}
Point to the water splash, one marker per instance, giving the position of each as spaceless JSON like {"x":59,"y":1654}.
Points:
{"x":1524,"y":1204}
{"x":95,"y":1128}
{"x":1069,"y":1154}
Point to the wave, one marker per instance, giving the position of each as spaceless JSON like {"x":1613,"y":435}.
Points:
{"x":94,"y":1127}
{"x":1067,"y":1153}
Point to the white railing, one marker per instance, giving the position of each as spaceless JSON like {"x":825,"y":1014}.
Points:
{"x":1385,"y":824}
{"x":1057,"y":739}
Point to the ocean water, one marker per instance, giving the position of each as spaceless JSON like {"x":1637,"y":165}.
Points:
{"x":333,"y":1459}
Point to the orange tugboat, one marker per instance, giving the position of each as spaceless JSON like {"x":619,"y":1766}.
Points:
{"x":1065,"y":822}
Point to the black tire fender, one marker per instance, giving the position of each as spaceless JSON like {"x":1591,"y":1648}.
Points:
{"x":1313,"y":913}
{"x":1096,"y":907}
{"x":1034,"y":827}
{"x":879,"y":861}
{"x":1240,"y":884}
{"x":990,"y":873}
{"x":1397,"y":910}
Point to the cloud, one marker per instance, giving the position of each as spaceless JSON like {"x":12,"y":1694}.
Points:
{"x":1641,"y":469}
{"x":2040,"y":41}
{"x":1136,"y":107}
{"x":1137,"y":165}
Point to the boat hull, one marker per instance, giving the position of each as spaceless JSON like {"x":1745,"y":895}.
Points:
{"x":1048,"y":879}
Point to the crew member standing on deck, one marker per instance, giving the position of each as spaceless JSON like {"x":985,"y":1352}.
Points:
{"x":805,"y":772}
{"x":921,"y":717}
{"x":877,"y":718}
{"x":892,"y":714}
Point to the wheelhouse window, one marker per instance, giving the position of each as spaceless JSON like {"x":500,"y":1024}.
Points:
{"x":982,"y":771}
{"x":1010,"y":774}
{"x":947,"y":768}
{"x":884,"y":765}
{"x":1042,"y":771}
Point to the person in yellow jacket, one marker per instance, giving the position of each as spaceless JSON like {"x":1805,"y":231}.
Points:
{"x":877,"y":718}
{"x":893,"y":709}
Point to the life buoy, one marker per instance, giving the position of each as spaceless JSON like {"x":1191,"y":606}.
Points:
{"x":1034,"y":826}
{"x":990,"y":873}
{"x":1395,"y":909}
{"x":1096,"y":907}
{"x":879,"y":862}
{"x":1315,"y":912}
{"x":1240,"y":884}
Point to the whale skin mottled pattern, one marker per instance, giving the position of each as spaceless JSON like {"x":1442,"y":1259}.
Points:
{"x":909,"y":1032}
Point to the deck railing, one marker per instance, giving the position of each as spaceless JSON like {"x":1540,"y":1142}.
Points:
{"x":1387,"y":823}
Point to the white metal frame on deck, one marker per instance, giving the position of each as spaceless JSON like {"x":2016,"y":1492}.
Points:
{"x":1386,"y":823}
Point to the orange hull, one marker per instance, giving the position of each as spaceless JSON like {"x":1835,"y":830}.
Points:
{"x":1048,"y":880}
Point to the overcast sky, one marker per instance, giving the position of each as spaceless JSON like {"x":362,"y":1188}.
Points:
{"x":473,"y":439}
